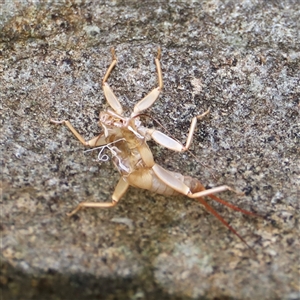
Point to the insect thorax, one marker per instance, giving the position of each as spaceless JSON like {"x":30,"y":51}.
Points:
{"x":126,"y":155}
{"x":123,"y":141}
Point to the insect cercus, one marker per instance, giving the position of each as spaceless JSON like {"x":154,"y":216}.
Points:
{"x":126,"y":138}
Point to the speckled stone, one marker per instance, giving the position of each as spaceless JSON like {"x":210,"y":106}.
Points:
{"x":242,"y":60}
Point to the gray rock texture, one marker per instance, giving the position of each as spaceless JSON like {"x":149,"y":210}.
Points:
{"x":241,"y":59}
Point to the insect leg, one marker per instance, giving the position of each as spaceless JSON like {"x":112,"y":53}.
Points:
{"x":210,"y":193}
{"x":148,"y":100}
{"x":108,"y":93}
{"x":169,"y":179}
{"x":120,"y":190}
{"x":170,"y":143}
{"x":112,"y":65}
{"x":96,"y":141}
{"x":158,"y":68}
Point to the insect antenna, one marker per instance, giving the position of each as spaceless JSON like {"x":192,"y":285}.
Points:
{"x":221,"y":219}
{"x":233,"y":207}
{"x":200,"y":187}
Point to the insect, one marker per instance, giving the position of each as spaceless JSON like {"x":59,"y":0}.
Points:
{"x":126,"y":138}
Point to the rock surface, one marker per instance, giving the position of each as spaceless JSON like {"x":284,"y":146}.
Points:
{"x":241,"y":60}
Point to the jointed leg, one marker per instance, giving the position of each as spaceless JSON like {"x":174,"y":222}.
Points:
{"x":149,"y":99}
{"x":192,"y":129}
{"x":96,"y":141}
{"x":211,"y":191}
{"x":120,"y":190}
{"x":169,"y":179}
{"x":168,"y":142}
{"x":158,"y":68}
{"x":112,"y":65}
{"x":108,"y":93}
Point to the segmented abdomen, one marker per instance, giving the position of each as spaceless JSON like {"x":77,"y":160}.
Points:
{"x":160,"y":187}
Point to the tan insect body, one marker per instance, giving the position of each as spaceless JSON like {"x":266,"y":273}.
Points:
{"x":126,"y":138}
